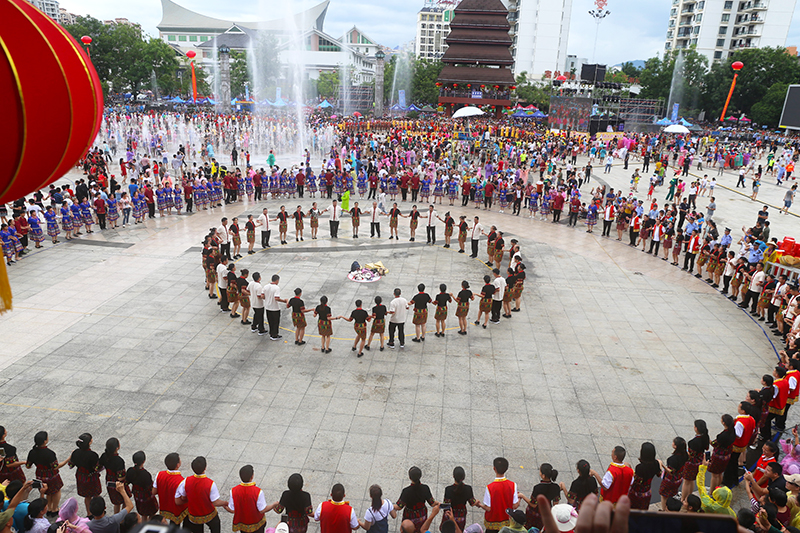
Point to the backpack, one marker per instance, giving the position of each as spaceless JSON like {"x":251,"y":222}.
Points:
{"x":355,"y":266}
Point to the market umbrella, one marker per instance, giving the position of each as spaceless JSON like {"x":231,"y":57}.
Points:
{"x":356,"y":114}
{"x":469,"y":111}
{"x":676,"y":128}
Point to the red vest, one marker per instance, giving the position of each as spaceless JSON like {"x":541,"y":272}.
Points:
{"x":166,"y":484}
{"x":694,"y":245}
{"x":778,"y":403}
{"x":246,"y":516}
{"x":501,"y":493}
{"x":197,"y":492}
{"x":793,"y":394}
{"x":623,"y":475}
{"x":334,"y":517}
{"x":749,"y":427}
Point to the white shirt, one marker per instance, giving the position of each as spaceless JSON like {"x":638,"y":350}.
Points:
{"x":432,"y":217}
{"x":500,"y":286}
{"x":155,"y":478}
{"x":373,"y":214}
{"x":780,"y":290}
{"x":373,"y":516}
{"x":336,"y":213}
{"x":213,"y":492}
{"x":271,"y":292}
{"x":757,"y":281}
{"x":222,"y":233}
{"x":353,"y":519}
{"x":263,"y":221}
{"x":477,"y":229}
{"x":222,"y":276}
{"x":256,"y":291}
{"x":399,"y":309}
{"x":487,"y":498}
{"x":261,"y":501}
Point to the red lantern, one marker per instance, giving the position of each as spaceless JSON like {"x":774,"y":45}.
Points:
{"x":469,"y":86}
{"x":42,"y":63}
{"x":737,"y":65}
{"x":190,"y":54}
{"x":513,"y":87}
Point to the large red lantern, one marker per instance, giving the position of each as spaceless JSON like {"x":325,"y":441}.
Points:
{"x":86,"y":40}
{"x":52,"y":100}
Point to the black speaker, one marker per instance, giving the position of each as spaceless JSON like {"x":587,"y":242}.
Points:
{"x":593,"y":73}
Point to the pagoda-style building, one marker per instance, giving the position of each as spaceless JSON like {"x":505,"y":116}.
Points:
{"x":477,"y":63}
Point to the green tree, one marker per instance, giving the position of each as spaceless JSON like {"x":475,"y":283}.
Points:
{"x":630,"y":70}
{"x":328,"y":84}
{"x":239,"y":73}
{"x":763,"y":68}
{"x":616,"y":76}
{"x":656,"y":78}
{"x":530,"y":92}
{"x":423,"y":81}
{"x":768,"y":110}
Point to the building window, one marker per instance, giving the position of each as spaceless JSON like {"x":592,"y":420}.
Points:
{"x":723,"y":30}
{"x":718,"y":55}
{"x":701,"y":4}
{"x":698,"y":17}
{"x":327,"y":46}
{"x":693,"y":41}
{"x":672,"y":23}
{"x":193,"y":38}
{"x":203,"y":38}
{"x":720,"y":43}
{"x":696,"y":30}
{"x":170,"y":37}
{"x":181,"y":37}
{"x":670,"y":34}
{"x":728,"y":4}
{"x":673,"y":12}
{"x":726,"y":17}
{"x":667,"y":46}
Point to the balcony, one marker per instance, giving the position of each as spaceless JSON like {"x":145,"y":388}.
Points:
{"x":760,"y":5}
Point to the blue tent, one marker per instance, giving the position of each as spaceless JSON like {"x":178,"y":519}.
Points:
{"x":538,"y":114}
{"x":397,"y":107}
{"x":520,"y":114}
{"x":280,"y":102}
{"x":178,"y":100}
{"x":684,"y":122}
{"x":325,"y":104}
{"x":412,"y":107}
{"x":664,"y":122}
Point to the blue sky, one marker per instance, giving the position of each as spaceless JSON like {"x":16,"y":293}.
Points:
{"x":634,"y":30}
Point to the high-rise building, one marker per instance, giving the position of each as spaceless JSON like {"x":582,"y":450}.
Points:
{"x":540,"y":33}
{"x":718,"y":27}
{"x":433,"y":27}
{"x":48,"y":7}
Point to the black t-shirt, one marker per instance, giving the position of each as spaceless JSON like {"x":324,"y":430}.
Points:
{"x":298,"y":215}
{"x":283,"y":216}
{"x":414,"y":215}
{"x":296,"y":304}
{"x":582,"y":487}
{"x":464,"y":295}
{"x":463,"y":226}
{"x":299,"y":503}
{"x":488,"y":290}
{"x":415,"y":494}
{"x":511,"y":280}
{"x":84,"y":459}
{"x":43,"y":457}
{"x":449,"y":221}
{"x":359,"y":315}
{"x":499,"y":243}
{"x":551,"y":491}
{"x":242,"y":283}
{"x":323,"y":311}
{"x":355,"y":212}
{"x":458,"y":495}
{"x":442,"y":299}
{"x":379,"y":311}
{"x":421,"y":300}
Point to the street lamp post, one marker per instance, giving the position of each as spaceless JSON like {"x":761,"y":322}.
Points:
{"x":191,"y":54}
{"x":736,"y":66}
{"x":598,"y":15}
{"x":379,"y":69}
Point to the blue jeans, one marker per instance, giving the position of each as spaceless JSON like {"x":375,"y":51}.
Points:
{"x":126,"y":215}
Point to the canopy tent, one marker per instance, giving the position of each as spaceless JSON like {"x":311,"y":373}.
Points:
{"x":398,"y":107}
{"x":428,"y":109}
{"x":178,"y":100}
{"x":412,"y":107}
{"x":468,"y":111}
{"x":324,"y":104}
{"x":664,"y":122}
{"x":676,"y":128}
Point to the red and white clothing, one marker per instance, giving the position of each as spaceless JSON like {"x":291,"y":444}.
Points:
{"x":792,"y":377}
{"x":781,"y":395}
{"x":608,"y":213}
{"x":199,"y":492}
{"x":166,"y":484}
{"x":501,"y":494}
{"x":335,"y":517}
{"x":694,"y":245}
{"x":616,"y":482}
{"x":248,"y":504}
{"x":744,"y":427}
{"x":431,"y":218}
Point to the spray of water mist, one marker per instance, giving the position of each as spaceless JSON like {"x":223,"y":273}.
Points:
{"x":677,"y":85}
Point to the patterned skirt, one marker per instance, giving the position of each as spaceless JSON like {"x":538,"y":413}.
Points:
{"x":146,"y":503}
{"x":719,"y":459}
{"x":299,"y":320}
{"x":702,"y":260}
{"x":441,"y":312}
{"x":233,"y":294}
{"x":211,"y":275}
{"x":462,"y":309}
{"x":244,"y":301}
{"x":298,"y":224}
{"x":113,"y":214}
{"x":37,"y":235}
{"x":462,"y":235}
{"x":763,"y":301}
{"x":640,"y":493}
{"x":692,"y":465}
{"x":418,"y":515}
{"x":533,"y":518}
{"x":51,"y":477}
{"x":66,"y":224}
{"x":87,"y":218}
{"x":448,"y":231}
{"x":11,"y":474}
{"x":52,"y":229}
{"x":498,"y":256}
{"x":460,"y":516}
{"x":485,"y":306}
{"x":237,"y":240}
{"x":516,"y":292}
{"x":490,"y":249}
{"x":325,"y":328}
{"x":361,"y":329}
{"x":420,"y":317}
{"x":507,"y":295}
{"x":413,"y":224}
{"x":282,"y":227}
{"x":671,"y":482}
{"x":251,"y":235}
{"x":393,"y":222}
{"x":378,"y":325}
{"x":88,"y":482}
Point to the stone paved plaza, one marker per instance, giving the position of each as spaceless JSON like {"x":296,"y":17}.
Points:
{"x":113,"y":334}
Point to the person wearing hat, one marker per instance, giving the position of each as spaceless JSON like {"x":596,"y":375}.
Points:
{"x":516,"y":523}
{"x":7,"y":516}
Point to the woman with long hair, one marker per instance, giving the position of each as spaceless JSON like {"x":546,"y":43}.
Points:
{"x":115,"y":472}
{"x":674,"y":471}
{"x":10,"y":465}
{"x":722,"y":449}
{"x":548,"y":488}
{"x":648,"y":468}
{"x":458,"y":495}
{"x":696,"y":447}
{"x":87,"y":475}
{"x":376,"y":518}
{"x":413,"y":499}
{"x":582,"y":486}
{"x":142,"y":484}
{"x":47,"y":467}
{"x":295,"y":503}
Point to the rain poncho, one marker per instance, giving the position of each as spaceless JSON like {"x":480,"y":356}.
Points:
{"x":719,"y":502}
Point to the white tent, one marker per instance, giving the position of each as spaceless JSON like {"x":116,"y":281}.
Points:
{"x":469,"y":111}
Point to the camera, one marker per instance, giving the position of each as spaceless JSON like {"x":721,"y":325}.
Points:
{"x":36,"y":484}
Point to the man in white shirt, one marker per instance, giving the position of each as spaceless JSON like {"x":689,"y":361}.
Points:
{"x":781,"y":288}
{"x":185,"y":494}
{"x":222,"y":283}
{"x":256,"y":291}
{"x":430,"y":225}
{"x":263,"y":221}
{"x":272,"y":297}
{"x":497,"y":298}
{"x":476,"y":232}
{"x":334,"y":217}
{"x":398,"y":308}
{"x":224,"y":239}
{"x":754,"y":289}
{"x":374,"y":220}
